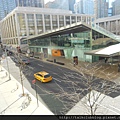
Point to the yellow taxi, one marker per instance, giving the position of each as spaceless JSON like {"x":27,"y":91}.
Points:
{"x":43,"y":76}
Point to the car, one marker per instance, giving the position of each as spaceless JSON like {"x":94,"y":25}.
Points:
{"x":43,"y":76}
{"x":25,"y":61}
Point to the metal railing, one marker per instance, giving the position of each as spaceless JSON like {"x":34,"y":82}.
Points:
{"x":105,"y":32}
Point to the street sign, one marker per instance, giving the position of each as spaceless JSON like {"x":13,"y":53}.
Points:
{"x":33,"y":81}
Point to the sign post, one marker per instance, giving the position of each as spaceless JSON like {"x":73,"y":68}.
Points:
{"x":34,"y":82}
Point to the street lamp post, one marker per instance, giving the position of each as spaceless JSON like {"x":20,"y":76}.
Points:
{"x":34,"y":82}
{"x":7,"y":64}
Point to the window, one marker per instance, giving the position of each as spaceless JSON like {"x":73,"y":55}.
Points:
{"x":46,"y":76}
{"x":39,"y":75}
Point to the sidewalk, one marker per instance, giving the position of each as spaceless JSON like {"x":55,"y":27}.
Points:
{"x":108,"y":106}
{"x":13,"y":103}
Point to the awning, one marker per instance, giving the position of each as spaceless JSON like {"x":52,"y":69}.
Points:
{"x":112,"y":50}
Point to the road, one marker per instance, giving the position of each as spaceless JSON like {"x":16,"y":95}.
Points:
{"x":66,"y":83}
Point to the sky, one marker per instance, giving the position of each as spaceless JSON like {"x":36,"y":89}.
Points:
{"x":48,"y":0}
{"x":110,"y":2}
{"x":76,"y":0}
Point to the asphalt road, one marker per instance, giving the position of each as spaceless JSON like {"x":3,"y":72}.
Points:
{"x":66,"y":88}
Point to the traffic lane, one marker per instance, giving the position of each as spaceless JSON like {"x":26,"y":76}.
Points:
{"x":54,"y":70}
{"x":64,"y":74}
{"x":48,"y":91}
{"x":60,"y":74}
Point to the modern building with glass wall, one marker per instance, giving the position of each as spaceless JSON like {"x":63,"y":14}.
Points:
{"x":6,"y":6}
{"x":58,"y":4}
{"x":84,"y":7}
{"x":101,"y":8}
{"x":31,"y":21}
{"x":61,"y":4}
{"x":74,"y":40}
{"x":71,"y":5}
{"x":30,"y":3}
{"x":116,"y":7}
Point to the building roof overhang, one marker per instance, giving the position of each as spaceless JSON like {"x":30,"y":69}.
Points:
{"x":74,"y":28}
{"x":113,"y":50}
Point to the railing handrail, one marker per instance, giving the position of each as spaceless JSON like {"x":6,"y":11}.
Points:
{"x":116,"y":37}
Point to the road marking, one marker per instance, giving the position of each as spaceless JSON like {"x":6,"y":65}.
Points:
{"x":40,"y":65}
{"x":57,"y":79}
{"x":30,"y":67}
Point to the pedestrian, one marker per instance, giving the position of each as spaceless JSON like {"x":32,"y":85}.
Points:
{"x":74,"y":62}
{"x":106,"y":60}
{"x":118,"y":67}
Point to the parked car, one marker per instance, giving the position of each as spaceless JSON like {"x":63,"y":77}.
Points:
{"x":24,"y":61}
{"x":43,"y":76}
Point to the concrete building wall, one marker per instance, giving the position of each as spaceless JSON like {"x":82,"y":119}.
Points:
{"x":25,"y":22}
{"x":111,"y":24}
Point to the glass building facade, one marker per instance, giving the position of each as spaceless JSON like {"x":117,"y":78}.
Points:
{"x":6,"y":6}
{"x":30,"y":3}
{"x":71,"y":43}
{"x":84,"y":7}
{"x":58,"y":4}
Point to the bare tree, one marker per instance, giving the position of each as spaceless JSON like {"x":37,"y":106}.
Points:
{"x":84,"y":85}
{"x":22,"y":67}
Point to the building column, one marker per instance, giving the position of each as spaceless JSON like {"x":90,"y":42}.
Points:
{"x":43,"y":23}
{"x":26,"y":24}
{"x":17,"y":29}
{"x":36,"y":31}
{"x":86,"y":20}
{"x":81,"y":18}
{"x":76,"y":19}
{"x":109,"y":26}
{"x":8,"y":27}
{"x":117,"y":26}
{"x":70,"y":20}
{"x":12,"y":29}
{"x":51,"y":22}
{"x":58,"y":23}
{"x":64,"y":21}
{"x":105,"y":26}
{"x":13,"y":21}
{"x":91,"y":38}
